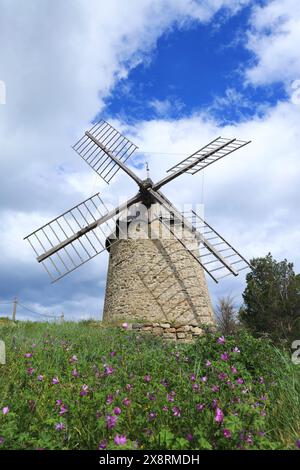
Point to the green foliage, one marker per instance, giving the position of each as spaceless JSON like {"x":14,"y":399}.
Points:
{"x":119,"y":389}
{"x":272,"y":299}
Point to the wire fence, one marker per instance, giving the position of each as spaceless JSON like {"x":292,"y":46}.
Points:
{"x":16,"y":309}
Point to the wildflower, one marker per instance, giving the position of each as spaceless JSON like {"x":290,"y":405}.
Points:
{"x":204,"y":379}
{"x":40,"y":378}
{"x":298,"y":443}
{"x":233,"y":370}
{"x":30,"y":371}
{"x":195,"y":387}
{"x":1,"y":440}
{"x":55,"y":381}
{"x":152,"y":415}
{"x":109,"y":370}
{"x":125,"y":326}
{"x":147,"y":378}
{"x":84,"y":390}
{"x":111,"y":421}
{"x":221,"y":340}
{"x":263,"y":398}
{"x":59,"y":426}
{"x":120,"y":440}
{"x":128,"y":387}
{"x":170,"y":397}
{"x":117,"y":411}
{"x":239,"y":381}
{"x":219,"y":416}
{"x":176,"y":411}
{"x":236,"y":350}
{"x":75,"y":373}
{"x":5,"y":410}
{"x":227,"y":433}
{"x":28,"y":355}
{"x":263,"y":413}
{"x":225,"y":356}
{"x":222,"y":376}
{"x":109,"y":399}
{"x":164,"y":382}
{"x":112,"y":353}
{"x":177,"y":355}
{"x":165,"y":408}
{"x":151,"y":396}
{"x":249,"y":439}
{"x":189,"y":437}
{"x":208,"y":363}
{"x":63,"y":410}
{"x":214,"y":403}
{"x":200,"y":407}
{"x":103,"y":444}
{"x":261,"y":380}
{"x":215,"y":388}
{"x":193,"y":378}
{"x":126,"y":401}
{"x":58,"y":402}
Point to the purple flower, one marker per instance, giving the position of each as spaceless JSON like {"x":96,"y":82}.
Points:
{"x":109,"y":399}
{"x":193,"y":378}
{"x":200,"y":407}
{"x":117,"y":411}
{"x":30,"y":371}
{"x":63,"y":410}
{"x":170,"y":397}
{"x":75,"y":373}
{"x":147,"y":378}
{"x":189,"y":437}
{"x":219,"y":416}
{"x":58,"y":402}
{"x":1,"y":440}
{"x":208,"y":363}
{"x":165,"y":408}
{"x":126,"y":401}
{"x":233,"y":370}
{"x":215,"y":388}
{"x":111,"y":421}
{"x":112,"y":353}
{"x":102,"y":444}
{"x":240,"y":381}
{"x":120,"y":440}
{"x":225,"y":356}
{"x":84,"y":390}
{"x":152,"y":415}
{"x":195,"y":387}
{"x":128,"y":387}
{"x":5,"y":410}
{"x":164,"y":382}
{"x":125,"y":326}
{"x":236,"y":350}
{"x":222,"y":376}
{"x":109,"y":370}
{"x":227,"y":433}
{"x":263,"y":398}
{"x":55,"y":381}
{"x":28,"y":355}
{"x":204,"y":379}
{"x":298,"y":443}
{"x":221,"y":340}
{"x":59,"y":426}
{"x":40,"y":378}
{"x":176,"y":411}
{"x":73,"y":359}
{"x":214,"y":403}
{"x":261,"y":380}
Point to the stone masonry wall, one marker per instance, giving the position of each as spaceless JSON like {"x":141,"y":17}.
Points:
{"x":158,"y":281}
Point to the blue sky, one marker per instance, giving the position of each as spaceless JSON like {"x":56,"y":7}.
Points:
{"x":172,"y":75}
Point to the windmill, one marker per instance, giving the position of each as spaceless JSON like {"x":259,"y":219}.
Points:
{"x":158,"y":277}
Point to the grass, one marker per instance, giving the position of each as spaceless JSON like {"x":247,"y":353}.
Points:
{"x":83,"y":386}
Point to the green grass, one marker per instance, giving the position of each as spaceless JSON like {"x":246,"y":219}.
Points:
{"x":156,"y":395}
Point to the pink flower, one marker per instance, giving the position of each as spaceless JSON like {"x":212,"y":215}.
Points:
{"x":112,"y":354}
{"x":219,"y":416}
{"x":227,"y":433}
{"x":109,"y":399}
{"x":222,"y":376}
{"x":120,"y":440}
{"x":63,"y":410}
{"x":225,"y":356}
{"x":204,"y":378}
{"x":111,"y":421}
{"x":193,"y":378}
{"x":152,"y":415}
{"x":165,"y":408}
{"x":176,"y":411}
{"x":125,"y":326}
{"x":126,"y":401}
{"x":59,"y":426}
{"x":117,"y":411}
{"x":5,"y":410}
{"x":40,"y":378}
{"x":221,"y":340}
{"x":103,"y":444}
{"x":240,"y":381}
{"x":233,"y":370}
{"x":200,"y":407}
{"x":28,"y":355}
{"x":58,"y":402}
{"x":147,"y":378}
{"x":55,"y":380}
{"x":75,"y":373}
{"x":208,"y":363}
{"x":109,"y":370}
{"x":215,"y":388}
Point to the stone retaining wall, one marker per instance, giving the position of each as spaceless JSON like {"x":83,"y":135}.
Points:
{"x":168,"y":332}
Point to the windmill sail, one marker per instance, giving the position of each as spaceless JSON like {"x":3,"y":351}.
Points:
{"x":69,"y":231}
{"x":96,"y":146}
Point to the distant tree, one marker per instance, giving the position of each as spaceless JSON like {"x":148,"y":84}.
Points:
{"x":226,"y":314}
{"x":272,"y":299}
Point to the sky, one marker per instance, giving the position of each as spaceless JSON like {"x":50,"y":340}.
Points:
{"x":172,"y":75}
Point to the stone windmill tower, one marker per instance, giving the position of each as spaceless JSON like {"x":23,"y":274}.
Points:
{"x":158,"y":255}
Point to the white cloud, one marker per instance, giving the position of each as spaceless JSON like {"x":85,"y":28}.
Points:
{"x":274,"y":39}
